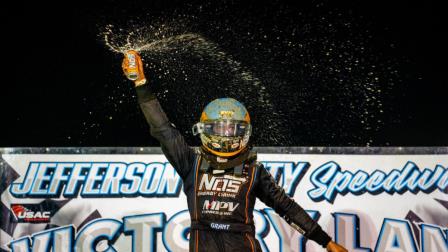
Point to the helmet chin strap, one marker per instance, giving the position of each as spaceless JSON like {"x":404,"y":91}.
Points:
{"x":221,"y":163}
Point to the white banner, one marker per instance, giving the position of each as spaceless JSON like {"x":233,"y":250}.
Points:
{"x":130,"y":202}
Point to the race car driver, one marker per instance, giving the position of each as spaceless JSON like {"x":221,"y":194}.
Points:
{"x":223,"y":178}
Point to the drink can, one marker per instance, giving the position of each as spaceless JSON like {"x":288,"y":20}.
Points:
{"x":132,"y":71}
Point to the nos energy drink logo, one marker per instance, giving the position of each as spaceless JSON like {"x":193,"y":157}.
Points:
{"x":31,"y":213}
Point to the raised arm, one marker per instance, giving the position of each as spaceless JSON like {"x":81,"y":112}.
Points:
{"x":275,"y":197}
{"x":173,"y":144}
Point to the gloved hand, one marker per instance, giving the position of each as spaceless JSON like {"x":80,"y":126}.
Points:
{"x":334,"y":247}
{"x":133,"y":67}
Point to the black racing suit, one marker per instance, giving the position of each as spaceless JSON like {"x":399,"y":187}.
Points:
{"x":221,"y":202}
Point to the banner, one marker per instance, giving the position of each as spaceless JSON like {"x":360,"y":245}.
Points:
{"x":131,"y":199}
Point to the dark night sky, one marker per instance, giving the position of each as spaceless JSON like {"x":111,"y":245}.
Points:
{"x":63,"y":87}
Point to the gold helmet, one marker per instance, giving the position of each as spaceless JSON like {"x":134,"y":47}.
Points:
{"x":224,"y":127}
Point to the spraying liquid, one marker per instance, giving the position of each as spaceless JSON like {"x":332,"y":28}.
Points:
{"x":240,"y":83}
{"x":306,"y":88}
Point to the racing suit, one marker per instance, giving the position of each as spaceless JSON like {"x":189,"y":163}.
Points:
{"x":221,"y":201}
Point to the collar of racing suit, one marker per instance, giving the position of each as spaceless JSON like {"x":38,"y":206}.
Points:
{"x":242,"y":157}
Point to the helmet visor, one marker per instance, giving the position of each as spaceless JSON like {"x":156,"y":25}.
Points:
{"x":226,"y":128}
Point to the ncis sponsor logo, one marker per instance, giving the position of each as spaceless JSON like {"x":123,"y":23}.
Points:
{"x":30,"y":213}
{"x":227,"y":183}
